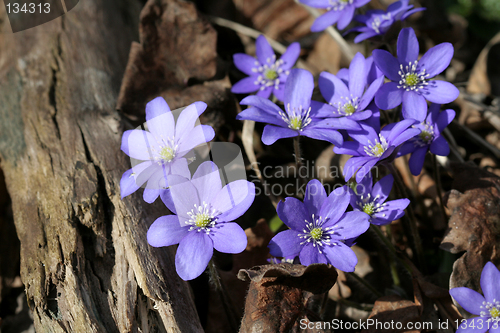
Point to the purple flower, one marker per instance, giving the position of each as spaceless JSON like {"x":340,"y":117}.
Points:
{"x":411,"y":78}
{"x":371,"y":148}
{"x":487,"y":307}
{"x":339,"y":11}
{"x":348,"y":98}
{"x":205,"y":210}
{"x":318,"y":228}
{"x":300,"y":117}
{"x":372,"y":200}
{"x":162,"y":148}
{"x":373,"y":72}
{"x":377,"y":21}
{"x":429,"y":138}
{"x":266,"y":74}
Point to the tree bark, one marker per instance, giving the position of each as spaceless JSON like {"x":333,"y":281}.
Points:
{"x":85,"y":261}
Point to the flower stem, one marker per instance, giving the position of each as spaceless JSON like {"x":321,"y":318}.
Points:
{"x":438,"y":185}
{"x":389,"y":245}
{"x":298,"y":159}
{"x":366,"y":284}
{"x":215,"y":281}
{"x":411,"y":220}
{"x":394,"y":271}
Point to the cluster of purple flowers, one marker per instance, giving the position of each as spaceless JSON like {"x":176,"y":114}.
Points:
{"x":321,"y":228}
{"x":321,"y":231}
{"x":203,"y":208}
{"x":375,"y":22}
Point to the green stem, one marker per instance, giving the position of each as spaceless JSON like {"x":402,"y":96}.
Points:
{"x":215,"y":281}
{"x":411,"y":220}
{"x":438,"y":185}
{"x":298,"y":159}
{"x":394,"y":271}
{"x":389,"y":245}
{"x":355,"y":305}
{"x":366,"y":284}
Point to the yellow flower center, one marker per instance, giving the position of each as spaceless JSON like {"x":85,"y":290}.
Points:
{"x":344,"y":1}
{"x":296,"y":123}
{"x":412,"y":79}
{"x":368,"y":208}
{"x":167,"y":154}
{"x":271,"y":74}
{"x":202,"y":220}
{"x":425,"y":136}
{"x":378,"y":150}
{"x":349,"y":109}
{"x":316,"y":233}
{"x":494,"y":312}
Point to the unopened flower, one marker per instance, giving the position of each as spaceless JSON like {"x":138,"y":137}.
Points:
{"x":371,"y":148}
{"x":205,"y":211}
{"x":412,"y":82}
{"x":372,"y":200}
{"x":266,"y":73}
{"x":300,"y":115}
{"x":162,"y":149}
{"x":338,"y":11}
{"x":319,"y":226}
{"x":348,"y":97}
{"x":377,"y":22}
{"x":429,"y":138}
{"x":487,"y":307}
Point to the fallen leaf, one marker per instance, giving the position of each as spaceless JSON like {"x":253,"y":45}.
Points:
{"x":393,"y":308}
{"x":474,"y":224}
{"x":176,"y":54}
{"x":278,"y":295}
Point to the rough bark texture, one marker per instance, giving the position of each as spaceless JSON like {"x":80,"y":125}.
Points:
{"x":85,"y":261}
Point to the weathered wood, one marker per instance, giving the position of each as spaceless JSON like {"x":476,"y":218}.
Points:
{"x":85,"y":261}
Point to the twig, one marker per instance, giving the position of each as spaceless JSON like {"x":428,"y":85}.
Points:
{"x":344,"y":47}
{"x":247,"y":139}
{"x":244,"y":30}
{"x":478,"y":139}
{"x":453,"y":144}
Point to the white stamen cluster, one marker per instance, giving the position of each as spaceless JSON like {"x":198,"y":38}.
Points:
{"x":411,"y":80}
{"x":315,"y":233}
{"x":296,"y":118}
{"x":202,"y":218}
{"x":348,"y":107}
{"x":338,"y":4}
{"x":491,"y":310}
{"x":425,"y":137}
{"x":378,"y":20}
{"x":370,"y":206}
{"x":269,"y":72}
{"x":167,"y":150}
{"x":377,"y":148}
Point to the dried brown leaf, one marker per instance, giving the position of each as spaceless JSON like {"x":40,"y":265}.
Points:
{"x":277,"y":18}
{"x":278,"y":294}
{"x":176,"y":47}
{"x":474,"y":225}
{"x":393,"y":308}
{"x":256,"y":253}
